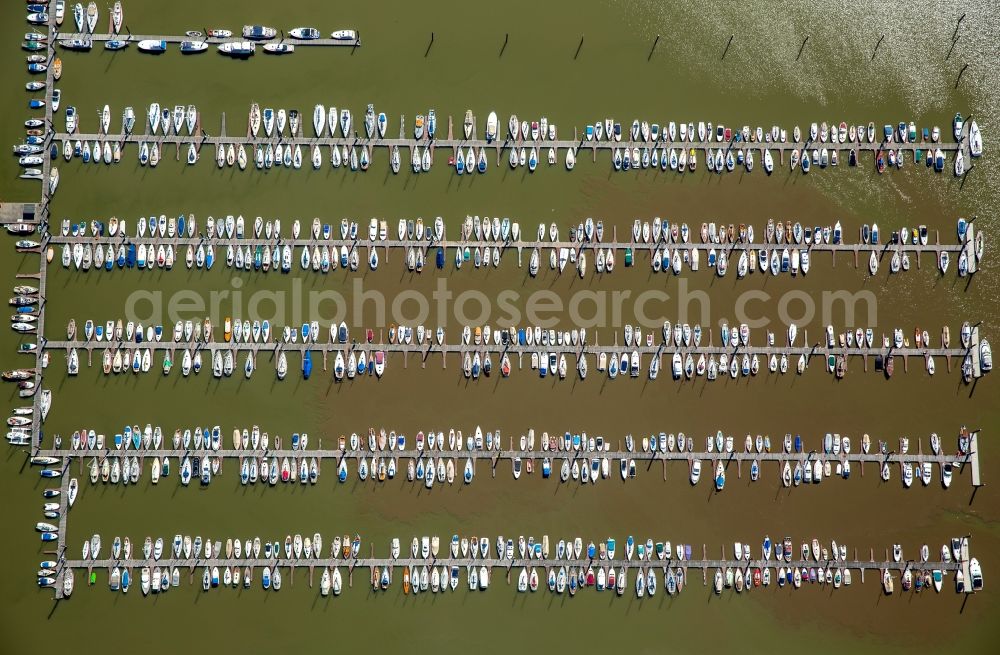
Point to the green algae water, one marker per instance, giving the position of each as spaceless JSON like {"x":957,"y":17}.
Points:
{"x":573,"y":63}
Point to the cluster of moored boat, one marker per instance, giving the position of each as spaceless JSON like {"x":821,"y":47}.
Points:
{"x":567,"y":568}
{"x":649,"y":147}
{"x":786,"y":248}
{"x":549,"y":350}
{"x":435,"y":457}
{"x":21,"y":423}
{"x":31,"y":151}
{"x":26,"y":304}
{"x":226,"y":43}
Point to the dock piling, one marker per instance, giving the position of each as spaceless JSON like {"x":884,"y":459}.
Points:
{"x":726,"y":50}
{"x":875,"y":51}
{"x":804,"y":41}
{"x":960,"y":73}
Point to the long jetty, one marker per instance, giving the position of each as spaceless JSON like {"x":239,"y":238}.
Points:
{"x":476,"y":142}
{"x":425,"y":350}
{"x":736,"y":456}
{"x":635,"y":246}
{"x":882,"y":455}
{"x":237,"y":37}
{"x":704,"y":564}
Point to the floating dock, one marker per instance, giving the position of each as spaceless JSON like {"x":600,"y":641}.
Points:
{"x":498,"y":147}
{"x":425,"y":350}
{"x":101,"y":38}
{"x":704,"y":565}
{"x":737,"y":456}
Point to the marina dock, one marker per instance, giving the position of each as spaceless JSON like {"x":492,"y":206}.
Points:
{"x":662,"y":350}
{"x":101,"y":38}
{"x":856,"y":249}
{"x":477,"y":143}
{"x":737,"y":457}
{"x":667,"y":566}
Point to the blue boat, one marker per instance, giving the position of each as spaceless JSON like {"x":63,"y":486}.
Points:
{"x":798,"y":444}
{"x":115,"y":44}
{"x":34,"y":103}
{"x":181,"y":225}
{"x":307,"y":364}
{"x":342,"y":333}
{"x":439,"y":260}
{"x":806,"y":163}
{"x":295,"y":441}
{"x":482,"y":165}
{"x":50,"y":536}
{"x":118,"y":441}
{"x":209,"y":257}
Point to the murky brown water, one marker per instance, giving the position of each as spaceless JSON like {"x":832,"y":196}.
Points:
{"x":536,"y":74}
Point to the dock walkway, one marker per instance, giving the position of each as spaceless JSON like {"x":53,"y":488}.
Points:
{"x":579,"y":246}
{"x":336,"y":455}
{"x":477,"y":143}
{"x":237,"y":37}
